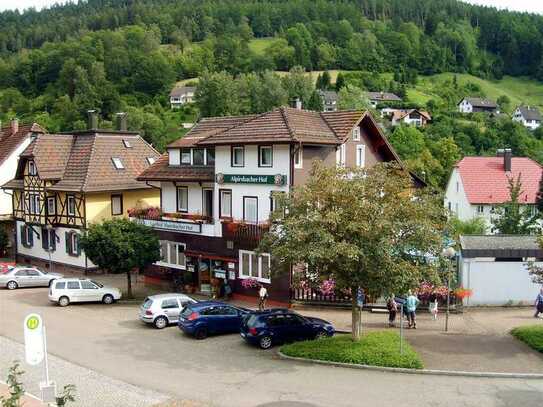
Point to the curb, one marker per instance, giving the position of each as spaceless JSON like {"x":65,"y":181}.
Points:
{"x":492,"y":375}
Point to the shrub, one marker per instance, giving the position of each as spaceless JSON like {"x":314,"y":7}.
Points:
{"x":531,"y":335}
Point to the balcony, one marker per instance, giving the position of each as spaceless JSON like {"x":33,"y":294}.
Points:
{"x":172,"y":222}
{"x":244,"y":233}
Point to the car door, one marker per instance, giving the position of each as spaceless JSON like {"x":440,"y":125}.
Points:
{"x":20,"y":276}
{"x":279,"y":328}
{"x":231,"y":319}
{"x":32,"y":278}
{"x":211,"y":316}
{"x":170,"y":307}
{"x":43,"y":279}
{"x":73,"y":289}
{"x":89,"y":291}
{"x":298,"y":328}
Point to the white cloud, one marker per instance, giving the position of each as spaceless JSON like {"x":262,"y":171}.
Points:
{"x":24,"y":4}
{"x":534,"y":6}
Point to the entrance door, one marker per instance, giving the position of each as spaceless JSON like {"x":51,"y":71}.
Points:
{"x":204,"y":274}
{"x":207,"y":203}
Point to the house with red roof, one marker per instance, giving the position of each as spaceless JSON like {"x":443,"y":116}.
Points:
{"x":478,"y":184}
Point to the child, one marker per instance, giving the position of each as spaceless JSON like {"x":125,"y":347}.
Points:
{"x":433,"y":309}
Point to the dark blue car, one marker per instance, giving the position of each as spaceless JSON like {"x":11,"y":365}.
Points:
{"x":210,"y":317}
{"x":270,"y":327}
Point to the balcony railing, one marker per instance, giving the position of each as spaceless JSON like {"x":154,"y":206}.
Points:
{"x":245,"y":233}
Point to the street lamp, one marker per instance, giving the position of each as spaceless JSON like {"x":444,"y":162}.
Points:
{"x":449,"y":253}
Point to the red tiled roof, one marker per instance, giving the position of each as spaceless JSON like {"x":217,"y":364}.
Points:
{"x":162,"y":171}
{"x":9,"y":141}
{"x":486,"y":182}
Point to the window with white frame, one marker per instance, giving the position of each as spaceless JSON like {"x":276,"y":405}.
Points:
{"x":72,"y":244}
{"x":298,"y":157}
{"x":198,"y":156}
{"x":480,"y":209}
{"x":226,"y":203}
{"x":238,"y":156}
{"x":250,"y":209}
{"x":32,"y":168}
{"x":51,"y":205}
{"x":186,"y":156}
{"x":70,"y":205}
{"x":356,"y":134}
{"x":126,"y":143}
{"x":117,"y":204}
{"x":151,"y":160}
{"x":254,"y":266}
{"x":117,"y":162}
{"x":34,"y":204}
{"x":265,"y":156}
{"x":340,"y":156}
{"x":360,"y":155}
{"x":172,"y":254}
{"x":182,"y":199}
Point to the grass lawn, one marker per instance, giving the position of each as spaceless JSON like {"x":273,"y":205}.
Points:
{"x":375,"y":349}
{"x":531,"y":335}
{"x":259,"y":45}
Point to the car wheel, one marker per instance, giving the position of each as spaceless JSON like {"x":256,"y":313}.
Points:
{"x":265,"y":342}
{"x":108,"y":299}
{"x":161,"y":323}
{"x":201,"y":333}
{"x":12,"y":285}
{"x":63,"y":301}
{"x":321,"y":335}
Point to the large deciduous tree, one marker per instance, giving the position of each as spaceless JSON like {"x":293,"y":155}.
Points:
{"x":363,"y":228}
{"x":121,"y":246}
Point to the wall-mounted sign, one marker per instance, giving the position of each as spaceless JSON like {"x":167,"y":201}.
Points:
{"x":186,"y":227}
{"x":231,"y":265}
{"x":251,"y":179}
{"x":231,"y":275}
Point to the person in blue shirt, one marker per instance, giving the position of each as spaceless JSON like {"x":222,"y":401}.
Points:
{"x":539,"y":304}
{"x":411,"y":308}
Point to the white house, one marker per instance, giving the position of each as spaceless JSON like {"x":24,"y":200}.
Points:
{"x":411,"y":117}
{"x":477,"y":105}
{"x":495,"y":269}
{"x":181,"y":95}
{"x":329,"y":100}
{"x":529,"y":116}
{"x":478,"y":184}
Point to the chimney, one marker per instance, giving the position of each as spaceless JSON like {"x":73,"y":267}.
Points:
{"x":92,"y":123}
{"x":507,"y":155}
{"x":14,"y":125}
{"x":298,"y":104}
{"x":121,"y":122}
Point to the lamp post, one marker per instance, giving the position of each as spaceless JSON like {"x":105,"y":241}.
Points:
{"x":449,"y":253}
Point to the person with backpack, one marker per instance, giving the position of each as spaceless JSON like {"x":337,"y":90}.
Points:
{"x":539,"y":304}
{"x":392,"y":307}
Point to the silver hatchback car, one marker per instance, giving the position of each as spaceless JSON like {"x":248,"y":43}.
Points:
{"x":22,"y":276}
{"x":163,"y":309}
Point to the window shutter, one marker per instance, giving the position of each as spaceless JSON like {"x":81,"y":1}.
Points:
{"x":68,"y":242}
{"x":78,"y":245}
{"x":31,"y":237}
{"x":53,"y":240}
{"x":23,"y":236}
{"x":45,"y":239}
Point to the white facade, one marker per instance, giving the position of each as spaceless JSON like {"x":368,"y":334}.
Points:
{"x":465,"y":106}
{"x":7,"y":173}
{"x":59,"y":254}
{"x":497,"y":283}
{"x":179,"y":100}
{"x":530,"y":124}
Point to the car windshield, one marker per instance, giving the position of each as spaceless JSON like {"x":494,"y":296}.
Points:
{"x":147,"y":303}
{"x":97,"y":283}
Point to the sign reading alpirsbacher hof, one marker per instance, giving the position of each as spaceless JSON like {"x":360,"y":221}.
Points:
{"x":277,"y":179}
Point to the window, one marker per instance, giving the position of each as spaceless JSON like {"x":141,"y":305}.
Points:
{"x":172,"y":254}
{"x":127,"y":143}
{"x":32,"y":168}
{"x":225,"y":203}
{"x":72,"y":244}
{"x":480,"y":209}
{"x":253,"y":266}
{"x":210,"y":156}
{"x":51,"y":205}
{"x":60,"y":285}
{"x":265,"y":156}
{"x":151,"y":160}
{"x":340,"y":156}
{"x":198,"y":155}
{"x":356,"y":134}
{"x":170,"y":303}
{"x":360,"y":155}
{"x":298,"y":157}
{"x":250,"y":209}
{"x":182,"y":199}
{"x":186,"y":156}
{"x":238,"y":156}
{"x":48,"y":240}
{"x":34,"y":204}
{"x":71,"y":205}
{"x":21,"y":273}
{"x":116,"y":204}
{"x":27,"y":236}
{"x":117,"y":162}
{"x":88,"y":285}
{"x":73,"y":285}
{"x":207,"y":202}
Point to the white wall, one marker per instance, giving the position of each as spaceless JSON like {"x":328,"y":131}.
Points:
{"x":497,"y":283}
{"x":59,"y":255}
{"x":456,"y":195}
{"x":465,"y":107}
{"x":7,"y":173}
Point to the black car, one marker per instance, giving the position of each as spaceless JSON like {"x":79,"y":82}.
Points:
{"x":279,"y":325}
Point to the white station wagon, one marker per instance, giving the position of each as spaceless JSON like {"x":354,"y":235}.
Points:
{"x":66,"y":290}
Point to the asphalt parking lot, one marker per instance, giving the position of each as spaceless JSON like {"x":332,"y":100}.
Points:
{"x":224,"y":371}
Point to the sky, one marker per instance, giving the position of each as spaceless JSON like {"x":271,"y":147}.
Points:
{"x":535,"y":6}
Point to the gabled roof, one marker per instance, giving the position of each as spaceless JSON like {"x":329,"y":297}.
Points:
{"x":182,"y":90}
{"x":9,"y":141}
{"x":399,"y":114}
{"x":83,"y":162}
{"x":530,"y":113}
{"x":486,"y":182}
{"x":504,"y":246}
{"x":480,"y":102}
{"x":162,"y":171}
{"x":383,"y":97}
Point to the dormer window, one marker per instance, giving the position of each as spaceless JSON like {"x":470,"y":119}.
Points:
{"x":127,"y":143}
{"x":151,"y":160}
{"x":198,"y":156}
{"x":186,"y":156}
{"x":117,"y":163}
{"x":32,"y":168}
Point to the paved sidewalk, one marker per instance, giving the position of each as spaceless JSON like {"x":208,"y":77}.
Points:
{"x":27,"y":400}
{"x":92,"y":388}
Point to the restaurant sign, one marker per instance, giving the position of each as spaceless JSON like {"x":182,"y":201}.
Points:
{"x":186,"y":227}
{"x":277,"y":179}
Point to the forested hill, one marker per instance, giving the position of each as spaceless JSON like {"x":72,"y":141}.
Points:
{"x":430,"y":36}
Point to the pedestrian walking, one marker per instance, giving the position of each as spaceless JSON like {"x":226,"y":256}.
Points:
{"x":539,"y":304}
{"x":392,"y":307}
{"x":411,"y":306}
{"x":263,"y":294}
{"x":433,"y":309}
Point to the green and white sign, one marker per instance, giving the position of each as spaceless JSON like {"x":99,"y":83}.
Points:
{"x":277,"y":179}
{"x":34,"y":339}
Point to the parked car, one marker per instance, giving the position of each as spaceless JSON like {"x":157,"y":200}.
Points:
{"x":21,"y":276}
{"x":67,"y":290}
{"x":279,"y":325}
{"x":163,"y":309}
{"x":211,"y":317}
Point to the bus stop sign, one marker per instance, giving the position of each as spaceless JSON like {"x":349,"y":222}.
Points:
{"x":34,"y":345}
